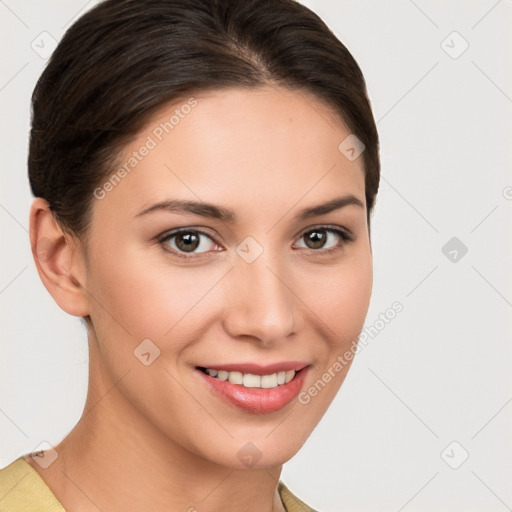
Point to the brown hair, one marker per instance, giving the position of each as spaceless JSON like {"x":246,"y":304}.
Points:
{"x":124,"y":59}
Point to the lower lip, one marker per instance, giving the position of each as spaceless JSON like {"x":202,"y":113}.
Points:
{"x":256,"y":400}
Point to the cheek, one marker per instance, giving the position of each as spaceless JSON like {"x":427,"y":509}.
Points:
{"x":340,"y":303}
{"x":148,"y":297}
{"x":131,"y":293}
{"x":341,"y":298}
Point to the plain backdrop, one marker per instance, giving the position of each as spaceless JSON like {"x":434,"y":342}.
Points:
{"x":423,"y":420}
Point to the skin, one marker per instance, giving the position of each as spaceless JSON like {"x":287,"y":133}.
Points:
{"x":155,"y":437}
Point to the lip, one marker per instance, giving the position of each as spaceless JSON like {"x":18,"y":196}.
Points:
{"x":257,"y":400}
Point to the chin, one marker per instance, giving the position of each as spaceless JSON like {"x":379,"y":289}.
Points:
{"x":266,"y":450}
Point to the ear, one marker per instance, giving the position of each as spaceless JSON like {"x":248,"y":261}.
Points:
{"x":59,"y":260}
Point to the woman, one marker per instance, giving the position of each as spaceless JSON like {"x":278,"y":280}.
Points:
{"x":204,"y":173}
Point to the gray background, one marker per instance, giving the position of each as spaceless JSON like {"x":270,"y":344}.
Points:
{"x":433,"y":386}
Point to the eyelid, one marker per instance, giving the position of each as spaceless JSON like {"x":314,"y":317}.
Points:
{"x":332,"y":227}
{"x":175,"y":231}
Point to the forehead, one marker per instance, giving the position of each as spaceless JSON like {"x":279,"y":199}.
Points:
{"x":247,"y":147}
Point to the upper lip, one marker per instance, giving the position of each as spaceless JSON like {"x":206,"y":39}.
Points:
{"x":258,"y":369}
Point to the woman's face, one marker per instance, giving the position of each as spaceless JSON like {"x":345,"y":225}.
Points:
{"x":262,"y":279}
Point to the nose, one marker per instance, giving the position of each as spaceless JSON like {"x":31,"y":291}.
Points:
{"x":260,"y":303}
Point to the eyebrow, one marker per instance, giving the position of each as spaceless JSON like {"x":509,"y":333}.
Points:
{"x":227,"y":215}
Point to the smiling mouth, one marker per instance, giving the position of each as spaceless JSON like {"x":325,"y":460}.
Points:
{"x":249,"y":380}
{"x":255,"y":388}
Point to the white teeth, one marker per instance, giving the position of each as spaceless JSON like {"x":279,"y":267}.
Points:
{"x":252,"y":381}
{"x":289,"y":376}
{"x":269,"y":381}
{"x":249,"y":380}
{"x":222,"y":375}
{"x":235,"y":377}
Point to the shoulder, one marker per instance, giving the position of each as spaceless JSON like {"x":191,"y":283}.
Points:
{"x":290,"y":501}
{"x":22,"y":489}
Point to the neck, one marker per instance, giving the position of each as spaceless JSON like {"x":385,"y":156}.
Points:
{"x":115,"y":460}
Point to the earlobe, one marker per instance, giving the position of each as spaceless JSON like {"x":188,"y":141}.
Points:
{"x":58,"y":260}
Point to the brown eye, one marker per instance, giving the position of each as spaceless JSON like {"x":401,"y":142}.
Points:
{"x":187,"y":242}
{"x":325,"y":239}
{"x":316,"y":239}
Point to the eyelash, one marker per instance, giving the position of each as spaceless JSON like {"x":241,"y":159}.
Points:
{"x":345,"y":235}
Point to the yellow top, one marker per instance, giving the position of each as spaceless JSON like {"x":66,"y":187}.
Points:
{"x":23,"y":490}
